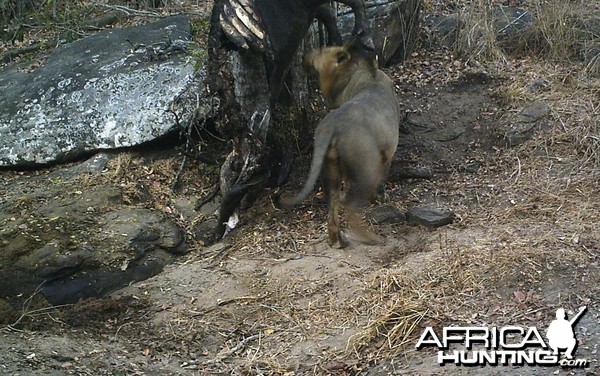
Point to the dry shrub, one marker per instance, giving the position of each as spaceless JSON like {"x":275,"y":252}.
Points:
{"x":562,"y":30}
{"x":591,"y":53}
{"x":476,"y":40}
{"x":558,"y":30}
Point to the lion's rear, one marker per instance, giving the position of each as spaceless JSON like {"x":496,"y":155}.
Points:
{"x":362,"y":136}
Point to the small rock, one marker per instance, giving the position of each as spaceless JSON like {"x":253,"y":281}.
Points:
{"x":518,"y":134}
{"x":386,"y":214}
{"x":534,"y":112}
{"x":204,"y":231}
{"x":471,"y":168}
{"x":538,"y":85}
{"x":429,"y":217}
{"x":414,"y":173}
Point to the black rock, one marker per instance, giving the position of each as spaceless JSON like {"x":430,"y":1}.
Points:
{"x":386,"y":214}
{"x":429,"y":217}
{"x":446,"y":28}
{"x":510,"y":21}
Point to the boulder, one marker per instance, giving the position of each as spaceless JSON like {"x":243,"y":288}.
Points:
{"x":444,"y":28}
{"x":534,"y":112}
{"x":509,"y":24}
{"x":394,"y":24}
{"x":67,"y":237}
{"x":110,"y":90}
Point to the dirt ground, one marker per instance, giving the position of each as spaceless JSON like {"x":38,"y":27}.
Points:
{"x":274,"y":299}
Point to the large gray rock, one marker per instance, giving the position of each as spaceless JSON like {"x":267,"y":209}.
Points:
{"x":110,"y":90}
{"x":509,"y":24}
{"x":394,"y":24}
{"x":69,"y":237}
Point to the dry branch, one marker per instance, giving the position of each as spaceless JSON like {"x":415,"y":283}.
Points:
{"x":130,"y":12}
{"x":234,"y":349}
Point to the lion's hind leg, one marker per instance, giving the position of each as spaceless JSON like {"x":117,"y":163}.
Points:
{"x":357,"y":197}
{"x":332,"y":184}
{"x":360,"y":230}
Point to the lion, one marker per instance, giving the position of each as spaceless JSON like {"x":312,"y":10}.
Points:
{"x":355,"y":142}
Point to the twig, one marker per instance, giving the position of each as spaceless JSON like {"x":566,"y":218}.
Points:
{"x":234,"y":349}
{"x":119,"y":329}
{"x":27,"y":303}
{"x":175,"y":183}
{"x":513,"y":22}
{"x":223,"y":303}
{"x":10,"y":55}
{"x":208,"y":198}
{"x":217,"y":257}
{"x":516,"y":173}
{"x":11,"y":327}
{"x":529,"y":312}
{"x":130,"y":12}
{"x":221,"y":252}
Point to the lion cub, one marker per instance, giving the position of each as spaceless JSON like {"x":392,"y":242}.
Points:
{"x":356,"y":141}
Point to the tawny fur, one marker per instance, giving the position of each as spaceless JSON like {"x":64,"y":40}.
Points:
{"x":356,"y":141}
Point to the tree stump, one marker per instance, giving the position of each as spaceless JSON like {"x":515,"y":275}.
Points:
{"x":247,"y":115}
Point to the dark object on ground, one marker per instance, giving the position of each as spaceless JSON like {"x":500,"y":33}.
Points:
{"x":386,"y":214}
{"x":429,"y":217}
{"x":71,"y":241}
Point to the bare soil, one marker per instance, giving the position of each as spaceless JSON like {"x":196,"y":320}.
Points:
{"x":274,"y":299}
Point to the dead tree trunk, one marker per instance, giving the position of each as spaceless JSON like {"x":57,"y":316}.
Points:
{"x":248,"y":113}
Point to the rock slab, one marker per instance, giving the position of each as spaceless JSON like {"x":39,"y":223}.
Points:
{"x":66,"y":236}
{"x":110,"y":90}
{"x":386,"y":214}
{"x":429,"y":217}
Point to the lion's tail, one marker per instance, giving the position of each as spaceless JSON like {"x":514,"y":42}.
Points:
{"x":322,"y":144}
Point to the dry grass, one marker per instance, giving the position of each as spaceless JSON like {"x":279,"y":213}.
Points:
{"x":541,"y":220}
{"x":534,"y":217}
{"x":492,"y":275}
{"x":448,"y":288}
{"x":591,"y":52}
{"x":557,"y":33}
{"x":476,"y":41}
{"x":561,"y":31}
